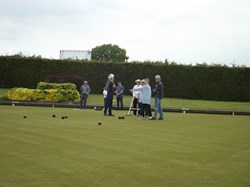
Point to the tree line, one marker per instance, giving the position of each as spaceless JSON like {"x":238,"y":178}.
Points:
{"x":180,"y":81}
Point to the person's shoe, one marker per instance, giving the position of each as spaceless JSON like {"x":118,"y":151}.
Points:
{"x":141,"y":118}
{"x":152,"y":118}
{"x":111,"y":115}
{"x":160,"y":118}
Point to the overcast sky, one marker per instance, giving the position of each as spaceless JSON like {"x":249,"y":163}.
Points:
{"x":184,"y":31}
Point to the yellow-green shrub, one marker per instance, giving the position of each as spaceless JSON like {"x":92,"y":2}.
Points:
{"x":21,"y":94}
{"x":47,"y":95}
{"x":60,"y":86}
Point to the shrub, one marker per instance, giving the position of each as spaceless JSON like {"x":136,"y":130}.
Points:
{"x":3,"y":98}
{"x":56,"y":94}
{"x":21,"y":94}
{"x":75,"y":79}
{"x":65,"y":86}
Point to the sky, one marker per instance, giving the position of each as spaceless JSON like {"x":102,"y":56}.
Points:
{"x":183,"y":31}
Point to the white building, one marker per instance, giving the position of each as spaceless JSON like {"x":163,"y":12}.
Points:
{"x":75,"y":54}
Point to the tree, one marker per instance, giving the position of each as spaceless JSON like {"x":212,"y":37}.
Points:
{"x":109,"y":53}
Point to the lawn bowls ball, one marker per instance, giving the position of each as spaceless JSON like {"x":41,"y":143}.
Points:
{"x":62,"y":117}
{"x":24,"y":117}
{"x":53,"y":115}
{"x":99,"y":123}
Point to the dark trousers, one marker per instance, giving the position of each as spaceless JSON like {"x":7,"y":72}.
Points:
{"x":119,"y":100}
{"x":83,"y":99}
{"x":145,"y":108}
{"x":108,"y":103}
{"x":136,"y":105}
{"x":149,"y":111}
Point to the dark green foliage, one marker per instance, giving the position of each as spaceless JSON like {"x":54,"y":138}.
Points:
{"x":77,"y":80}
{"x":62,"y":86}
{"x":180,"y":81}
{"x":109,"y":53}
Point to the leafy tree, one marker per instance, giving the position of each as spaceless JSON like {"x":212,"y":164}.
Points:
{"x":109,"y":53}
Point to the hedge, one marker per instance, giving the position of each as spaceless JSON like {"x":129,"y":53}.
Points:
{"x":180,"y":81}
{"x":65,"y":86}
{"x":45,"y":92}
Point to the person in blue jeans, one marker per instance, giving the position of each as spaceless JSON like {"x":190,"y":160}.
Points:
{"x":158,"y":92}
{"x":119,"y":96}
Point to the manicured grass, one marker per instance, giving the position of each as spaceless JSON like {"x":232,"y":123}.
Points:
{"x":97,"y":99}
{"x":182,"y":150}
{"x":3,"y":91}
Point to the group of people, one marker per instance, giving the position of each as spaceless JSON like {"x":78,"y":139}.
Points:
{"x":108,"y":91}
{"x":141,"y":97}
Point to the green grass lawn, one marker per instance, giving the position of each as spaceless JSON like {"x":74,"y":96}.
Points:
{"x":183,"y":150}
{"x":3,"y":92}
{"x":97,"y":99}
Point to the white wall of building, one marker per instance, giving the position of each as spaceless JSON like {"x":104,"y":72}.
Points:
{"x":75,"y":54}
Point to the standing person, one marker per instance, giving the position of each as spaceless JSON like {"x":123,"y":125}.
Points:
{"x":145,"y":98}
{"x":136,"y":97}
{"x":150,"y":111}
{"x":108,"y":95}
{"x":158,"y":94}
{"x":119,"y":95}
{"x":85,"y":90}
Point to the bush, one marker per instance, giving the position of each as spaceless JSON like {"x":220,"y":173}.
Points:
{"x":62,"y":86}
{"x":55,"y":93}
{"x":3,"y":98}
{"x":75,"y":79}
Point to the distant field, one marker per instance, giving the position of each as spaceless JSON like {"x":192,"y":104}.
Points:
{"x":182,"y":150}
{"x":97,"y":99}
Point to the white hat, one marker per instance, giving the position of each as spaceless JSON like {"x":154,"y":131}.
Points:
{"x":138,"y":80}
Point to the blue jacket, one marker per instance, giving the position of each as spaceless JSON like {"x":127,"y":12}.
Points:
{"x":145,"y":94}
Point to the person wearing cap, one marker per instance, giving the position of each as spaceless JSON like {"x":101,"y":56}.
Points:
{"x":136,"y":97}
{"x":158,"y":95}
{"x":108,"y":92}
{"x":145,"y":98}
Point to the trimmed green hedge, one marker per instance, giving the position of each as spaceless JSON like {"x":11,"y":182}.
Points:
{"x":180,"y":81}
{"x":65,"y":86}
{"x":48,"y":92}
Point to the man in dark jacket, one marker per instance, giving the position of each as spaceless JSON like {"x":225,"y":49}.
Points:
{"x":109,"y":90}
{"x":158,"y":95}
